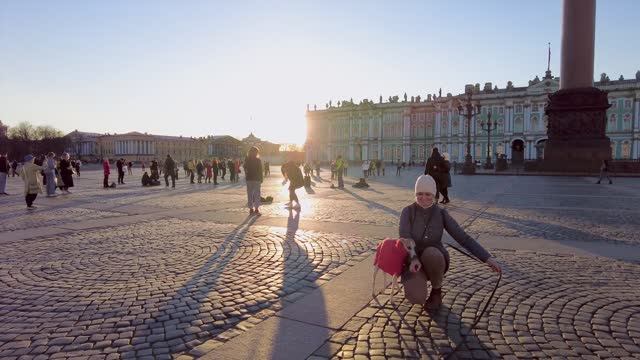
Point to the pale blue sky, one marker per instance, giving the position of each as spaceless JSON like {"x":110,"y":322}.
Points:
{"x":207,"y":67}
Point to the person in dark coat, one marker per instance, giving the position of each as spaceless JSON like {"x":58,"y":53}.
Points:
{"x":169,"y":171}
{"x":120,"y":166}
{"x":291,"y":172}
{"x":253,"y":175}
{"x":66,"y":173}
{"x":215,"y":167}
{"x":446,"y":178}
{"x":434,"y":169}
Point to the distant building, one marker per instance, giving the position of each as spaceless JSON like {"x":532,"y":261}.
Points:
{"x":136,"y":146}
{"x":224,"y":146}
{"x":408,"y":129}
{"x":267,"y":149}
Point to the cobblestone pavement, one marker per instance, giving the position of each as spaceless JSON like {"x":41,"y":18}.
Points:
{"x":174,"y":286}
{"x":156,"y":288}
{"x":548,"y":306}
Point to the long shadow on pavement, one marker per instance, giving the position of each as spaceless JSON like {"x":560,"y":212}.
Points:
{"x":193,"y":294}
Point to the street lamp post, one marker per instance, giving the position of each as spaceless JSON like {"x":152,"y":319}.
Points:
{"x":489,"y":126}
{"x":467,"y":111}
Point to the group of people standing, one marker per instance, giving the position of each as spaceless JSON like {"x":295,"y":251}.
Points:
{"x":42,"y":170}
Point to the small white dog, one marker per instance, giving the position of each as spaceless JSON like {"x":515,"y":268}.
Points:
{"x":391,"y":255}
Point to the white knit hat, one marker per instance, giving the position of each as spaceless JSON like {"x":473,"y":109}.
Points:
{"x":425,"y":183}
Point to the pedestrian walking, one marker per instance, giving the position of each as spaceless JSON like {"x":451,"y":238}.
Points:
{"x":253,"y":174}
{"x":169,"y":171}
{"x":434,"y":169}
{"x":5,"y":167}
{"x":200,"y":171}
{"x":604,"y":172}
{"x":30,"y":174}
{"x":66,"y":173}
{"x":106,"y":170}
{"x":398,"y":167}
{"x":339,"y":164}
{"x":130,"y":168}
{"x":292,"y":173}
{"x":446,"y":178}
{"x":424,"y":222}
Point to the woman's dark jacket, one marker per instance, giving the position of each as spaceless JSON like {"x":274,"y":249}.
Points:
{"x":253,"y":169}
{"x":412,"y":226}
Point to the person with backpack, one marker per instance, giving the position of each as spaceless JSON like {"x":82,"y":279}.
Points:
{"x":292,"y":173}
{"x":424,"y":222}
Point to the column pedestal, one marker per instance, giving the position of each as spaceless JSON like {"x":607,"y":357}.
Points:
{"x":577,"y":124}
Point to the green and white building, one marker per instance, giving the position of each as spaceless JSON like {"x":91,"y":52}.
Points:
{"x":407,"y":129}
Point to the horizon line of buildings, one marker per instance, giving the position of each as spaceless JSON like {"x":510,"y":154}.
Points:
{"x":136,"y":146}
{"x":407,"y":129}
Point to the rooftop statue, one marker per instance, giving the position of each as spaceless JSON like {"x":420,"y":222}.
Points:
{"x":381,"y":95}
{"x":418,"y":98}
{"x":405,"y":97}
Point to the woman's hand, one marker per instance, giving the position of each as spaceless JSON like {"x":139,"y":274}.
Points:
{"x":493,"y":265}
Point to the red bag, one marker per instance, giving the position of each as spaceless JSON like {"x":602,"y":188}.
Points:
{"x":390,"y":256}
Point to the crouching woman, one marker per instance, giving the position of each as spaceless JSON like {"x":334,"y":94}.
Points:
{"x":424,"y":222}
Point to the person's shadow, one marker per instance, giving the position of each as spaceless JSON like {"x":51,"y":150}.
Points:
{"x":296,"y":263}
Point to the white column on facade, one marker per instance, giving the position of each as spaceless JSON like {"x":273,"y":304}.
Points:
{"x":461,"y":126}
{"x":461,"y":153}
{"x":449,"y":126}
{"x":636,"y":149}
{"x":636,"y":115}
{"x":527,"y":118}
{"x":578,"y":41}
{"x":509,"y":119}
{"x":438,"y":125}
{"x":530,"y":149}
{"x":406,"y":133}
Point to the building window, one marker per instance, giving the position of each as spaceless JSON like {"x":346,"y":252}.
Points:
{"x":614,"y":103}
{"x":626,"y":150}
{"x":518,"y":109}
{"x":627,"y":104}
{"x":500,"y":110}
{"x":626,"y":122}
{"x":534,"y":108}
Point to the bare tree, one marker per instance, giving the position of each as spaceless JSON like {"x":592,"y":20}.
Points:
{"x":47,"y":132}
{"x":3,"y":130}
{"x":23,"y":131}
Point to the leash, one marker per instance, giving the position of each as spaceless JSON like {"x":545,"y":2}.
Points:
{"x":484,"y":309}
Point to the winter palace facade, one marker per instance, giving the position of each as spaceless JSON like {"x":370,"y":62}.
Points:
{"x":407,"y":129}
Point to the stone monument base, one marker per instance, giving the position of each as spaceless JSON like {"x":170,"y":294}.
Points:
{"x":576,"y":129}
{"x":575,"y":155}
